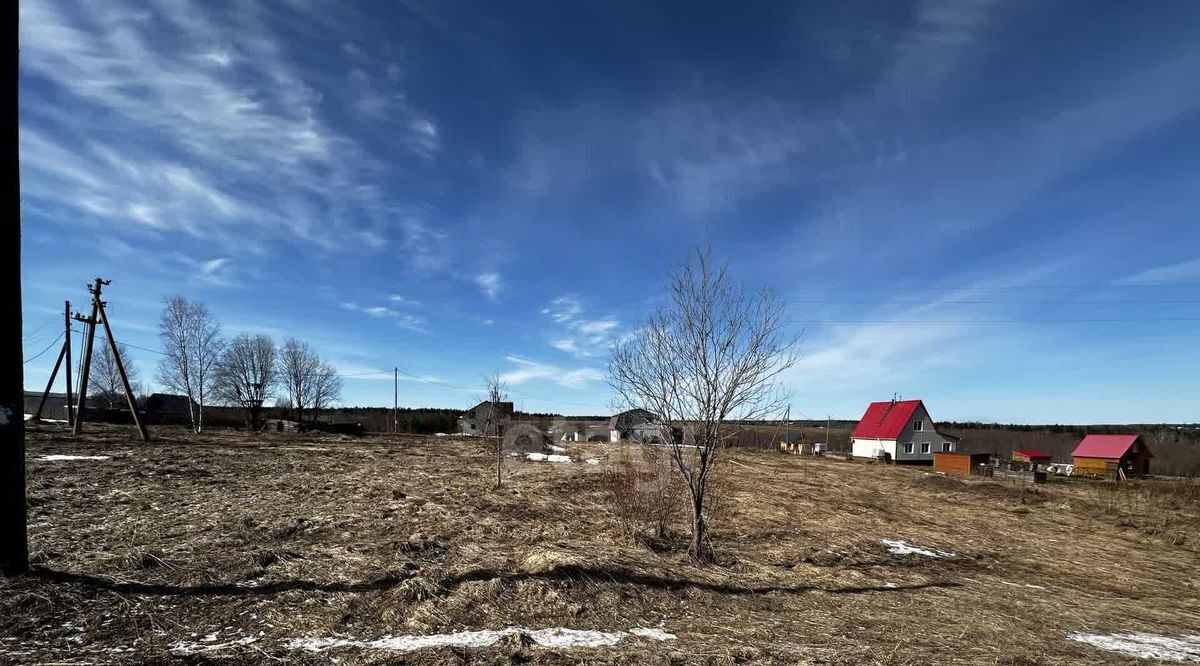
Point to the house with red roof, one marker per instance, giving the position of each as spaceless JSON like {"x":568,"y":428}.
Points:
{"x":1109,"y":455}
{"x":899,"y":431}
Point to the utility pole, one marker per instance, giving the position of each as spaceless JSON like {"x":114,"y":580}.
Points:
{"x":14,"y":544}
{"x":64,"y":353}
{"x":828,"y":436}
{"x":395,"y":400}
{"x":98,"y":309}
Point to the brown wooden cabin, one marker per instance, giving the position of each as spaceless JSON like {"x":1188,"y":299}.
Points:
{"x":959,"y":463}
{"x":1106,"y":456}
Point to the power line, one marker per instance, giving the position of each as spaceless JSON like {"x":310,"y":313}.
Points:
{"x":52,"y":343}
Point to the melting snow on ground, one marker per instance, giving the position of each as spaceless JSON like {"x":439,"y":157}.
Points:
{"x":555,"y":637}
{"x":58,"y":456}
{"x":209,"y":644}
{"x":896,"y":547}
{"x":29,"y":417}
{"x":1144,"y":646}
{"x":547,"y":457}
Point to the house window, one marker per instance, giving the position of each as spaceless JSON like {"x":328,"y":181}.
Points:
{"x":946,"y":447}
{"x":918,"y":426}
{"x":924,"y":447}
{"x":1135,"y":447}
{"x":908,"y":447}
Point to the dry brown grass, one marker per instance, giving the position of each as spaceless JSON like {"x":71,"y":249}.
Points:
{"x":274,"y":537}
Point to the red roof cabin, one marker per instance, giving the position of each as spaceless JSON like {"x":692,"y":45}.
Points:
{"x":1031,"y":456}
{"x":899,"y":431}
{"x":1108,"y":456}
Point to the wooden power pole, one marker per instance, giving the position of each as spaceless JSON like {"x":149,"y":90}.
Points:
{"x":395,"y":400}
{"x":98,"y":316}
{"x":14,"y":544}
{"x":64,"y":353}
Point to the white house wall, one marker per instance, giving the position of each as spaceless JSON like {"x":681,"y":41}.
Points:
{"x":869,"y":448}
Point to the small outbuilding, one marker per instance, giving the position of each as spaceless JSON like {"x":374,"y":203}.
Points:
{"x":1031,"y":456}
{"x":1111,"y":456}
{"x":960,"y":463}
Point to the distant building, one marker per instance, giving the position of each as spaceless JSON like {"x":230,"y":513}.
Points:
{"x":1108,"y":456}
{"x":640,"y":425}
{"x":480,"y":417}
{"x":959,"y":463}
{"x":899,"y":431}
{"x":169,"y":409}
{"x":1031,"y":456}
{"x":56,"y":404}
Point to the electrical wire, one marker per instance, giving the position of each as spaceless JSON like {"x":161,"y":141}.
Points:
{"x":39,"y":354}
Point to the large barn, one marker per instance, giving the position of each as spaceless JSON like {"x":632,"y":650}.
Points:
{"x":1109,"y":456}
{"x":899,"y":431}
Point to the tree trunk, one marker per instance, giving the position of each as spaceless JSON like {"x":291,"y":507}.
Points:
{"x":699,"y":550}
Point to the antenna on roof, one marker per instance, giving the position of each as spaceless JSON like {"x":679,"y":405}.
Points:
{"x":894,"y":394}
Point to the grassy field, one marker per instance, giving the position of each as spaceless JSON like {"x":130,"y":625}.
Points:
{"x":237,"y":547}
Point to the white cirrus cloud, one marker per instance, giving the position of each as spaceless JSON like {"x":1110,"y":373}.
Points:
{"x":490,"y":284}
{"x":526,"y":370}
{"x":404,"y":320}
{"x":576,"y":334}
{"x":195,"y":121}
{"x":1184,"y":271}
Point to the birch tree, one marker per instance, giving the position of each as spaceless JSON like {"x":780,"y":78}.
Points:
{"x":711,"y":354}
{"x":298,"y":369}
{"x":192,"y":346}
{"x":246,"y":374}
{"x":326,"y":388}
{"x":104,"y":380}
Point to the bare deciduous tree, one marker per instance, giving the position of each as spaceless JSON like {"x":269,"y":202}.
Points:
{"x":326,"y":388}
{"x":104,"y":382}
{"x":246,"y":374}
{"x":493,"y":425}
{"x":711,"y":354}
{"x":298,"y":369}
{"x":192,"y":346}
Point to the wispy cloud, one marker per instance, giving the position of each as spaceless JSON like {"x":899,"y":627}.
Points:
{"x":225,"y":140}
{"x":527,"y":370}
{"x":576,"y":334}
{"x":404,"y":320}
{"x":400,"y":299}
{"x":1184,"y":271}
{"x":489,"y":284}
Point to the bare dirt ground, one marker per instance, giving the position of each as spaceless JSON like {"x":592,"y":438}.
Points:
{"x":257,"y":548}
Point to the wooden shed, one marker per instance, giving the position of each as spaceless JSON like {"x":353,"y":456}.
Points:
{"x":1031,"y":456}
{"x":959,"y":463}
{"x":1111,"y":456}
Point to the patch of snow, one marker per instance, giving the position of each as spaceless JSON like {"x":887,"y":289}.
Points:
{"x":553,"y":637}
{"x":656,"y":634}
{"x":593,"y":461}
{"x":57,"y":456}
{"x":559,"y":449}
{"x":897,"y":547}
{"x":1035,"y":587}
{"x":1144,"y":646}
{"x":207,"y":644}
{"x":30,"y":416}
{"x":548,"y":457}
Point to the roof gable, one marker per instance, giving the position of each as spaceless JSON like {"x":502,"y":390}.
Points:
{"x":886,"y":420}
{"x":1105,"y":446}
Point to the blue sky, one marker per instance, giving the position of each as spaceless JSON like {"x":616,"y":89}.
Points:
{"x":988,"y":205}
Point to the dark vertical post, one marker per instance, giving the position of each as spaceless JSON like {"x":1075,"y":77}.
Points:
{"x":395,"y":400}
{"x":88,"y":342}
{"x":112,"y":346}
{"x":70,"y":399}
{"x":37,"y":414}
{"x":14,"y":546}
